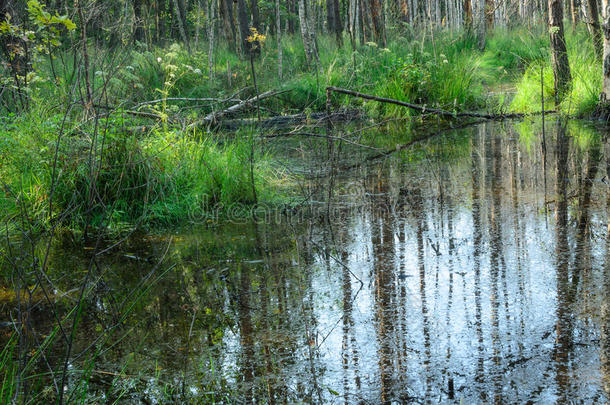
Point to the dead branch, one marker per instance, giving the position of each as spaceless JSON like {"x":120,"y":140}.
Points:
{"x":424,"y":109}
{"x":215,"y":116}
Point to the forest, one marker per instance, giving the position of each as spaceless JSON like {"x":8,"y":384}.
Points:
{"x":299,"y":201}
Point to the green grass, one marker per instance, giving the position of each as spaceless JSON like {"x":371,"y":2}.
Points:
{"x":586,"y":80}
{"x":447,"y":70}
{"x":157,"y":178}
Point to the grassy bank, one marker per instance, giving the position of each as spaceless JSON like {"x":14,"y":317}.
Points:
{"x":120,"y":178}
{"x":586,"y":72}
{"x":137,"y":165}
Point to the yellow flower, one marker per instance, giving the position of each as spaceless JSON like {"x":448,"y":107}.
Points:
{"x":255,"y":36}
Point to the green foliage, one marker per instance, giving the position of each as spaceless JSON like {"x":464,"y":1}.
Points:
{"x":151,"y":179}
{"x":586,"y":80}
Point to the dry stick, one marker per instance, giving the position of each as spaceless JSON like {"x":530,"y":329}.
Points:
{"x":425,"y":109}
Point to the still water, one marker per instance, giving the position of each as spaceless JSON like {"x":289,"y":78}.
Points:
{"x":473,"y":267}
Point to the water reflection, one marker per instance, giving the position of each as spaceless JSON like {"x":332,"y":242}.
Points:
{"x":462,"y":270}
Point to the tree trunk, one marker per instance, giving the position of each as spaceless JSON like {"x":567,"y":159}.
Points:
{"x":605,"y":96}
{"x":83,"y":37}
{"x":375,"y":7}
{"x":338,"y":26}
{"x":574,"y":6}
{"x":229,"y":24}
{"x":138,"y":34}
{"x":244,"y":29}
{"x":182,"y":23}
{"x":594,"y":27}
{"x":278,"y":29}
{"x":291,"y":14}
{"x":480,"y":24}
{"x":559,"y":54}
{"x":311,"y":52}
{"x":330,"y":16}
{"x":255,"y":17}
{"x":489,"y":14}
{"x":211,"y":32}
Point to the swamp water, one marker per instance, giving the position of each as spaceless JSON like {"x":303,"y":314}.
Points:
{"x":473,"y":267}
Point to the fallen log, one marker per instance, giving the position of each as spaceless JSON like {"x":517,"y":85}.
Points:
{"x":424,"y":109}
{"x":292,"y":120}
{"x":213,"y":117}
{"x":188,"y":99}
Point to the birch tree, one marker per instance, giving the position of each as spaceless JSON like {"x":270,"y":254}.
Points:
{"x":594,"y":27}
{"x":605,"y":95}
{"x":307,"y":34}
{"x":480,"y":22}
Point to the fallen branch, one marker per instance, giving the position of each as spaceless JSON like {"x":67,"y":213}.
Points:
{"x":194,"y":100}
{"x":215,"y":116}
{"x":291,"y":120}
{"x":424,"y":109}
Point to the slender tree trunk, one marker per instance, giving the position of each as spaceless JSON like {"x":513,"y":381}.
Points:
{"x":182,"y":24}
{"x":480,"y":24}
{"x":338,"y":25}
{"x":594,"y":27}
{"x":574,"y":6}
{"x":362,"y":11}
{"x":244,"y":29}
{"x":559,"y":54}
{"x":330,"y":16}
{"x":211,"y":32}
{"x":138,"y":34}
{"x":311,"y":52}
{"x":198,"y":24}
{"x":255,"y":16}
{"x":278,"y":29}
{"x":490,"y":6}
{"x":605,"y":95}
{"x":83,"y":37}
{"x":291,"y":13}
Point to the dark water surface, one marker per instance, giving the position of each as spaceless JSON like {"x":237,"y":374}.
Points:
{"x":474,"y":267}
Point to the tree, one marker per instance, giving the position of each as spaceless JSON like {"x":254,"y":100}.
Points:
{"x":338,"y":27}
{"x":138,"y":33}
{"x":594,"y":27}
{"x":180,"y":11}
{"x":278,"y":33}
{"x":377,"y":18}
{"x":244,"y":28}
{"x":480,"y":23}
{"x":228,"y":22}
{"x":307,"y":34}
{"x":559,"y":53}
{"x":605,"y":95}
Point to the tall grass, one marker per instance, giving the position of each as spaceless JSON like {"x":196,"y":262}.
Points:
{"x":158,"y":178}
{"x":446,"y":69}
{"x":586,"y":71}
